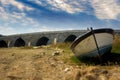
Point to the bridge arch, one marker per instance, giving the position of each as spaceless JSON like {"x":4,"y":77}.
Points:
{"x":19,"y":42}
{"x":3,"y":44}
{"x":42,"y":41}
{"x":70,"y":38}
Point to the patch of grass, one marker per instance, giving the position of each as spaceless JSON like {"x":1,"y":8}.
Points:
{"x":26,"y":47}
{"x":75,"y":60}
{"x":116,"y":44}
{"x":64,"y":46}
{"x":69,"y":56}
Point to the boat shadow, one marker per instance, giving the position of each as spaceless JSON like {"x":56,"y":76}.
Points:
{"x":111,"y":58}
{"x":106,"y":59}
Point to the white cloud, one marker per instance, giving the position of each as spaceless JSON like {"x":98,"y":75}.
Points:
{"x":15,"y":17}
{"x":106,"y":9}
{"x":103,"y":9}
{"x":37,"y":2}
{"x":66,"y":5}
{"x":7,"y":30}
{"x":39,"y":28}
{"x":19,"y":5}
{"x":3,"y":13}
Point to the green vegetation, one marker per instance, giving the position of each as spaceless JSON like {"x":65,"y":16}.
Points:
{"x":64,"y":46}
{"x":110,"y":58}
{"x":116,"y":45}
{"x":75,"y":60}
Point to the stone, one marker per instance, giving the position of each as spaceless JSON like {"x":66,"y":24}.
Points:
{"x":90,"y":77}
{"x":43,"y":53}
{"x":56,"y":53}
{"x":35,"y":47}
{"x":66,"y":69}
{"x":77,"y":75}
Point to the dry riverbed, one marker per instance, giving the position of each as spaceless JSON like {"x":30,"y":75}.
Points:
{"x":50,"y":63}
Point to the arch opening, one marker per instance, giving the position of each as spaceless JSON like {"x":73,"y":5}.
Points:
{"x":70,"y":38}
{"x":42,"y":41}
{"x":19,"y":42}
{"x":3,"y":44}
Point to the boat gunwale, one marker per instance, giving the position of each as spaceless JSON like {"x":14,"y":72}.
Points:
{"x":82,"y":37}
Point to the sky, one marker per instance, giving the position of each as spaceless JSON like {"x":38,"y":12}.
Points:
{"x":27,"y":16}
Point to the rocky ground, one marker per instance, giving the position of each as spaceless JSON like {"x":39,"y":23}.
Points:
{"x":50,"y":63}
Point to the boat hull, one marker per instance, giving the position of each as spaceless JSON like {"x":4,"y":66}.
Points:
{"x":85,"y":45}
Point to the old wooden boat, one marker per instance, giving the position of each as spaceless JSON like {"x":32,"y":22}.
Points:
{"x":94,"y":43}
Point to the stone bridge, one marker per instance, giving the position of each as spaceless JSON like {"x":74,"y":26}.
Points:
{"x":40,"y":38}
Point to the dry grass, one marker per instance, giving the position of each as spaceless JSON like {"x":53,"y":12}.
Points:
{"x":39,"y":63}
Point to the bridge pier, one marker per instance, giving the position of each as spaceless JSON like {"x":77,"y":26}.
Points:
{"x":8,"y":43}
{"x":29,"y":44}
{"x":55,"y":41}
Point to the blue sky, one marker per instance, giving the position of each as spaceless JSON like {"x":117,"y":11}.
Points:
{"x":26,"y":16}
